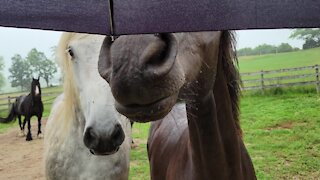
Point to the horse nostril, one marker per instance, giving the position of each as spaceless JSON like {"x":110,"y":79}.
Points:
{"x":155,"y":54}
{"x":92,"y":152}
{"x":90,"y":138}
{"x":159,"y":56}
{"x":117,"y":135}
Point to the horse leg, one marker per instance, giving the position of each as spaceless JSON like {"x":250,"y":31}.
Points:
{"x":39,"y":127}
{"x":20,"y":123}
{"x":24,"y":124}
{"x":29,"y":136}
{"x":21,"y":128}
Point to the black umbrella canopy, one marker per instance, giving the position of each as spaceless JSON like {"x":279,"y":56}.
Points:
{"x":154,"y":16}
{"x":89,"y":16}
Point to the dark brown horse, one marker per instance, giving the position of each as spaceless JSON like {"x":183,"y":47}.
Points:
{"x":27,"y":106}
{"x":148,"y":74}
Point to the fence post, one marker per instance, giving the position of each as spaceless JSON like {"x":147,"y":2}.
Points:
{"x":9,"y":102}
{"x":317,"y":78}
{"x":262,"y":82}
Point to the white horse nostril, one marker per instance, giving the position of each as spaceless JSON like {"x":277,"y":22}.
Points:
{"x":91,"y":151}
{"x":91,"y":139}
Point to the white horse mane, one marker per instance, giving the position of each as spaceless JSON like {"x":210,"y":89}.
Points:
{"x":67,"y":109}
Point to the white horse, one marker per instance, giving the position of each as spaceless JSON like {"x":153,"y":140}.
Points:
{"x":83,"y":124}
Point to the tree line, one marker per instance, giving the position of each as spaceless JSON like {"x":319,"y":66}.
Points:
{"x":266,"y":49}
{"x":24,"y":68}
{"x":310,"y":36}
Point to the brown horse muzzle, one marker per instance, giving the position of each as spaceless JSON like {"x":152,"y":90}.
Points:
{"x":138,"y":69}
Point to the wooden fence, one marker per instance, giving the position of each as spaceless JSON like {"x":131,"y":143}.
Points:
{"x":307,"y":75}
{"x":6,"y":102}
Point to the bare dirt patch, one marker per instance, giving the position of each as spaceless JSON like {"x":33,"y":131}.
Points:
{"x":20,"y":159}
{"x":285,"y":125}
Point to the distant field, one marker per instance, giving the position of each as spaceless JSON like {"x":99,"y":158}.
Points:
{"x":280,"y":60}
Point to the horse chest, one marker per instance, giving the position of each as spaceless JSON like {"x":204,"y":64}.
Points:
{"x":73,"y":159}
{"x":170,"y":158}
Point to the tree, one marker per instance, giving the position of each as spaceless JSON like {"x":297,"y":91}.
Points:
{"x":40,"y":64}
{"x":20,"y":72}
{"x":296,"y":49}
{"x":53,"y":50}
{"x":284,"y":47}
{"x":310,"y":43}
{"x":311,"y":36}
{"x":245,"y":52}
{"x":265,"y":49}
{"x":2,"y":78}
{"x":36,"y":58}
{"x":47,"y":70}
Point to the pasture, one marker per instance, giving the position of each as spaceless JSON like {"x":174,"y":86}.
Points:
{"x":300,"y":69}
{"x":281,"y":60}
{"x":281,"y":133}
{"x":281,"y":128}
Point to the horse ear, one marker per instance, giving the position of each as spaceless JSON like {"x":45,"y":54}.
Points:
{"x":38,"y":78}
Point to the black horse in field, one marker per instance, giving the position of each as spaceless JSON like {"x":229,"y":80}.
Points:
{"x":27,"y":106}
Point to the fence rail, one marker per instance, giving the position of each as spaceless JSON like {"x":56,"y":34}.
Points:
{"x":10,"y":99}
{"x":287,"y":77}
{"x":307,"y":75}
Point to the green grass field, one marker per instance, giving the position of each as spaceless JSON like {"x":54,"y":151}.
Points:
{"x":280,"y":60}
{"x":282,"y":134}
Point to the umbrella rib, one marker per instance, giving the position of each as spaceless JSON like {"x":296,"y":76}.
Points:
{"x":111,"y":19}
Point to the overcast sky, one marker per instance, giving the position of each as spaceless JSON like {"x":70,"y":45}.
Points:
{"x":21,"y":41}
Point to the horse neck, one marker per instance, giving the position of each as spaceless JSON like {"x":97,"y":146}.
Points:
{"x":213,"y":136}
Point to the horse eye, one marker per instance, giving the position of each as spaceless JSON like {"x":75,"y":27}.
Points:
{"x":70,"y":52}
